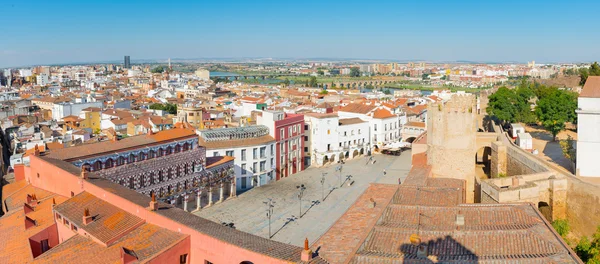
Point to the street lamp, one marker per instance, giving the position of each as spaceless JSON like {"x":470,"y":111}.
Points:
{"x":339,"y":168}
{"x":301,"y":189}
{"x":270,"y":204}
{"x":323,"y":186}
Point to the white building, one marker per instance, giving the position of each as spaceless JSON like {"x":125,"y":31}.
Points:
{"x":329,"y":139}
{"x":253,"y":149}
{"x":65,"y":109}
{"x":42,"y":79}
{"x":588,"y":129}
{"x":385,"y":127}
{"x":203,"y":74}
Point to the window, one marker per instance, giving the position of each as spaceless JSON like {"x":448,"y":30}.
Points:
{"x":243,"y":168}
{"x":45,"y":246}
{"x":305,"y":138}
{"x":263,"y":152}
{"x":281,"y":133}
{"x":289,"y":131}
{"x":66,"y":222}
{"x":273,"y":149}
{"x":254,"y":167}
{"x":183,"y":259}
{"x":345,"y":133}
{"x":359,"y":131}
{"x":385,"y":127}
{"x":281,"y":147}
{"x":255,"y":153}
{"x":328,"y":147}
{"x":215,"y":153}
{"x":305,"y":149}
{"x":74,"y":228}
{"x":262,"y":166}
{"x":295,"y":130}
{"x":305,"y":127}
{"x":229,"y":153}
{"x":272,"y":162}
{"x":243,"y":154}
{"x":244,"y":183}
{"x":375,"y":127}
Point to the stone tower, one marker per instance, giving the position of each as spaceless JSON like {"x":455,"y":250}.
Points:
{"x":451,"y":140}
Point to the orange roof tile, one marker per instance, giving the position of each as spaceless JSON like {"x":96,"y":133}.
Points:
{"x":382,"y":113}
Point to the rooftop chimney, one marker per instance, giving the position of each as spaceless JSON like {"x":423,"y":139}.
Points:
{"x":29,"y":222}
{"x":153,"y":203}
{"x":515,"y":181}
{"x":306,"y":254}
{"x":27,"y":208}
{"x":53,"y":202}
{"x":36,"y":151}
{"x":87,"y":218}
{"x":32,"y":199}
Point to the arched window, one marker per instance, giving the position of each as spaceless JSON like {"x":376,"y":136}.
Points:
{"x":160,"y":153}
{"x":142,"y":183}
{"x":170,"y":174}
{"x":151,"y":154}
{"x":178,"y":171}
{"x":185,"y":169}
{"x":160,"y":176}
{"x":177,"y":149}
{"x":169,"y":150}
{"x":108,"y":163}
{"x":152,"y":178}
{"x":186,"y":146}
{"x":120,"y":161}
{"x":131,"y":158}
{"x":142,"y":156}
{"x":97,"y":166}
{"x":131,"y":183}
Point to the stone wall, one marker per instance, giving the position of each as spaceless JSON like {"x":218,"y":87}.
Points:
{"x":451,"y":140}
{"x":582,"y":206}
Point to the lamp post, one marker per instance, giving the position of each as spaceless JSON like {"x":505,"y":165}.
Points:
{"x":323,"y":186}
{"x":339,"y":168}
{"x":301,"y":189}
{"x":270,"y":204}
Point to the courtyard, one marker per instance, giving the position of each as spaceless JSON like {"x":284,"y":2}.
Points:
{"x":248,"y":212}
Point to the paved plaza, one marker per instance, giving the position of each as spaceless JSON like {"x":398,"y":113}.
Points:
{"x":248,"y":212}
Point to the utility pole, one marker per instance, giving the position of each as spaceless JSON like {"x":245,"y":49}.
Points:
{"x":301,"y":189}
{"x":270,"y":205}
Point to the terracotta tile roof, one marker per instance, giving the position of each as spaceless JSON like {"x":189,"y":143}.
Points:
{"x":357,"y":108}
{"x":54,"y":145}
{"x":350,"y":121}
{"x":415,"y":124}
{"x":236,"y":143}
{"x":109,"y":221}
{"x":591,"y":87}
{"x":15,"y":246}
{"x":216,"y":161}
{"x":430,"y":208}
{"x":15,"y":200}
{"x":104,"y":147}
{"x":340,"y":242}
{"x":321,"y":115}
{"x":382,"y":113}
{"x":145,"y":242}
{"x":9,"y":189}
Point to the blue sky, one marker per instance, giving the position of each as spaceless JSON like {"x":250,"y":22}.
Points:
{"x":46,"y":32}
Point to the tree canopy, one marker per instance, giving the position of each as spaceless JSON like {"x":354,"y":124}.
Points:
{"x":555,"y":109}
{"x":170,"y":108}
{"x":159,"y":69}
{"x":354,"y":72}
{"x":584,"y":73}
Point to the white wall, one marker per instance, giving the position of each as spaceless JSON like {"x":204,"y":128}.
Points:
{"x":61,"y":110}
{"x":588,"y":137}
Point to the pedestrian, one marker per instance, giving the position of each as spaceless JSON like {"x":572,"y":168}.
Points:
{"x":374,"y":161}
{"x":384,"y":172}
{"x":399,"y":181}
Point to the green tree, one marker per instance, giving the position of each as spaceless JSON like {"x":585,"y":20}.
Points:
{"x":323,"y":92}
{"x":568,"y":148}
{"x":425,"y":76}
{"x":320,"y":72}
{"x":502,"y":104}
{"x":157,"y":106}
{"x":562,"y":227}
{"x":387,"y":91}
{"x":589,"y":250}
{"x":354,"y":72}
{"x":584,"y":73}
{"x":159,"y":69}
{"x":555,"y":109}
{"x":286,"y":82}
{"x":312,"y":82}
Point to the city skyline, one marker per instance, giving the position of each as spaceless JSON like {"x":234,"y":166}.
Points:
{"x":74,"y":32}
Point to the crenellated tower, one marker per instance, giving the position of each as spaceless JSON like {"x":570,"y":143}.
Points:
{"x":451,"y":140}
